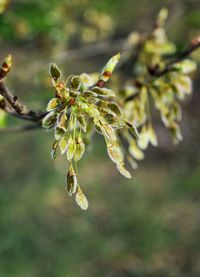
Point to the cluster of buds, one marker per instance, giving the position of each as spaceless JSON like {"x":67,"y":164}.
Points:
{"x":80,"y":105}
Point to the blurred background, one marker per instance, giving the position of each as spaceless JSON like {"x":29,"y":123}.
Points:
{"x":146,"y":226}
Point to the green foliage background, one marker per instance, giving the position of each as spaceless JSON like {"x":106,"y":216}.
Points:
{"x":148,"y":226}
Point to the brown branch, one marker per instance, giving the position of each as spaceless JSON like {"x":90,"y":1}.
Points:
{"x":16,"y":108}
{"x":194,"y":45}
{"x":12,"y":100}
{"x":19,"y":110}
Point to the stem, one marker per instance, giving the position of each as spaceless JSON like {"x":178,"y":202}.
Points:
{"x":18,"y":109}
{"x":13,"y":100}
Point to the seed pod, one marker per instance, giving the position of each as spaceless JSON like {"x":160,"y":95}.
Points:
{"x":82,"y":122}
{"x":115,"y":153}
{"x":186,"y":66}
{"x":63,"y":121}
{"x":71,"y":148}
{"x":112,"y":120}
{"x":53,"y":151}
{"x":49,"y":120}
{"x":71,"y":124}
{"x":58,"y":133}
{"x":135,"y":151}
{"x":132,"y":162}
{"x":107,"y":130}
{"x":184,"y":86}
{"x":133,"y":129}
{"x":103,"y":92}
{"x":115,"y":108}
{"x":63,"y":145}
{"x":80,"y":148}
{"x":176,"y":133}
{"x":120,"y":167}
{"x":144,"y":138}
{"x":152,"y":136}
{"x":81,"y":200}
{"x":177,"y":111}
{"x":71,"y":181}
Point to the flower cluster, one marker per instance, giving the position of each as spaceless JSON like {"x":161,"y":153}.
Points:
{"x":82,"y":104}
{"x":159,"y":81}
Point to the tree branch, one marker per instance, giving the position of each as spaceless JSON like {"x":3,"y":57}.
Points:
{"x":13,"y":100}
{"x":194,"y":45}
{"x":154,"y":72}
{"x":19,"y":110}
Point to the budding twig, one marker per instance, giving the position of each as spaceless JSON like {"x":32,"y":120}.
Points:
{"x":194,"y":45}
{"x":156,"y":73}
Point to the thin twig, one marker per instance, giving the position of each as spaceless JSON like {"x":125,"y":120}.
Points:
{"x":19,"y":110}
{"x":154,"y":72}
{"x":13,"y":100}
{"x":194,"y":45}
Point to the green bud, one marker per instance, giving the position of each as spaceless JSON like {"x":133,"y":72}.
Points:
{"x":76,"y":82}
{"x":54,"y":71}
{"x":109,"y":67}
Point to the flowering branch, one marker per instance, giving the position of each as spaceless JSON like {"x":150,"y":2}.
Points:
{"x":193,"y":46}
